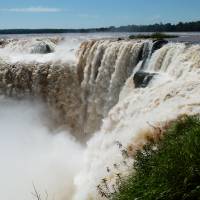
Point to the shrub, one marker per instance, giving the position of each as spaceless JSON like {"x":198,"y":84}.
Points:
{"x":168,"y":169}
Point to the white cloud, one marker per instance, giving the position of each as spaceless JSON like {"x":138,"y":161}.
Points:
{"x":32,"y":10}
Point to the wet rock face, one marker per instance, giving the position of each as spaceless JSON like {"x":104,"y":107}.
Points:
{"x":142,"y":79}
{"x":157,"y":44}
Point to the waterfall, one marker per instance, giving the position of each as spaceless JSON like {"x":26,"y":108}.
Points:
{"x":52,"y":83}
{"x":78,"y":96}
{"x":173,"y":92}
{"x":103,"y":68}
{"x":97,"y":97}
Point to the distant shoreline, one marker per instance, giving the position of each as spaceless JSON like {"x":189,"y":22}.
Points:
{"x":47,"y":31}
{"x":168,"y":27}
{"x":62,"y":31}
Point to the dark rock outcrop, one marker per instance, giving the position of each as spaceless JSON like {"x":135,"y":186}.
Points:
{"x":141,"y":79}
{"x":157,"y":44}
{"x":42,"y":48}
{"x":2,"y":43}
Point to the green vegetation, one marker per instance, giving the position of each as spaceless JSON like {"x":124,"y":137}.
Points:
{"x":168,"y":169}
{"x":157,"y":36}
{"x":168,"y":27}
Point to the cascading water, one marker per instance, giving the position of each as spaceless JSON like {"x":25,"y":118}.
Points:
{"x":51,"y":82}
{"x":173,"y":92}
{"x":96,"y":97}
{"x":103,"y":69}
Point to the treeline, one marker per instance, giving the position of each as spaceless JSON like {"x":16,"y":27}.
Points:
{"x":51,"y":31}
{"x":180,"y":27}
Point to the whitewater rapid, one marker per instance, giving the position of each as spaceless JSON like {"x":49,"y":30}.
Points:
{"x":90,"y":92}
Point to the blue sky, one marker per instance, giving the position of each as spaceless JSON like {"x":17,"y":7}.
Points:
{"x":94,"y":13}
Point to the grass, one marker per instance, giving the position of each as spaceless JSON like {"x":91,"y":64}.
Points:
{"x":168,"y":169}
{"x":156,"y":36}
